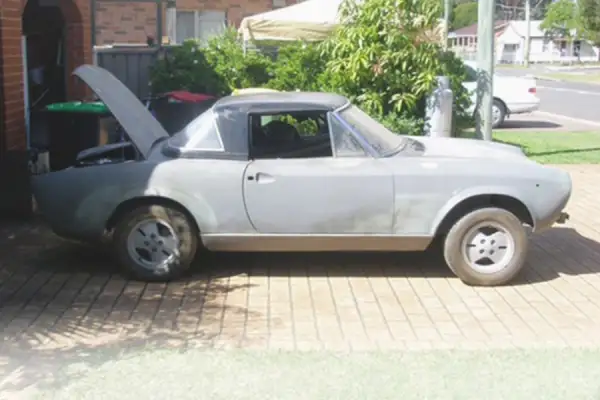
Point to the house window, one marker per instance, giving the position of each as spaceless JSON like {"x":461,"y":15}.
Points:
{"x":201,"y":25}
{"x":279,"y":3}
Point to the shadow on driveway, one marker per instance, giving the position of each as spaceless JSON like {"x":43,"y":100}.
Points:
{"x":529,"y":124}
{"x":52,"y":291}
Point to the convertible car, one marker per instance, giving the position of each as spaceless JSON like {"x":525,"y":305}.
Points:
{"x":297,"y":171}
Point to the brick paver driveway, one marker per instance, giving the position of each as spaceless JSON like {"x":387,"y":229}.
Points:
{"x":54,"y":294}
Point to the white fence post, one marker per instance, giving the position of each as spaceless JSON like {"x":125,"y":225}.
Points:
{"x":439,"y":109}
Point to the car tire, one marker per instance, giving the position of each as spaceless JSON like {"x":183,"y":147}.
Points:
{"x":498,"y":109}
{"x":486,"y":247}
{"x":155,"y":243}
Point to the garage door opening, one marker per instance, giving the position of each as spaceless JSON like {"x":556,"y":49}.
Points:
{"x":49,"y":32}
{"x":44,"y":41}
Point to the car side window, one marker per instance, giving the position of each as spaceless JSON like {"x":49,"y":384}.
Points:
{"x":345,"y":144}
{"x":301,"y":134}
{"x":200,"y":134}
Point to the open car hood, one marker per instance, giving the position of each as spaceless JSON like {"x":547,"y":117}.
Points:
{"x":139,"y":124}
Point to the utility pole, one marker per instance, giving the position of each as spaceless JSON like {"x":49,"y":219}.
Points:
{"x":446,"y":23}
{"x":527,"y":32}
{"x":485,"y":73}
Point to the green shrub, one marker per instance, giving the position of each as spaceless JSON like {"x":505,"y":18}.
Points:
{"x":217,"y":69}
{"x":234,"y":68}
{"x":382,"y":57}
{"x":404,"y":125}
{"x":185,"y":67}
{"x":298,"y":66}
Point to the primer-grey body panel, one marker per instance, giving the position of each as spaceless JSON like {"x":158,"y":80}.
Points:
{"x":429,"y":187}
{"x":320,"y":196}
{"x":78,"y":202}
{"x":354,"y":203}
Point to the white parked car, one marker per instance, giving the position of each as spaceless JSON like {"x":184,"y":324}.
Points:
{"x":512,"y":95}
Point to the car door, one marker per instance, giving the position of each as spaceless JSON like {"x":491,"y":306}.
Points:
{"x":350,"y":193}
{"x":470,"y":84}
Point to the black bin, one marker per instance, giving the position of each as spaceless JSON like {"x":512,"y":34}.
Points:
{"x":175,"y":110}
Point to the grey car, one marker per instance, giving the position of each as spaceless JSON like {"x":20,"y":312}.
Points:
{"x":297,"y":172}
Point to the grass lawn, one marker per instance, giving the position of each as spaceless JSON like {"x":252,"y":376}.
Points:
{"x":555,"y":147}
{"x":585,"y":78}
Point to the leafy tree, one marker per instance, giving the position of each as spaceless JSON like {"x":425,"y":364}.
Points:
{"x":299,"y":66}
{"x":383,"y":57}
{"x":464,"y":14}
{"x":589,"y":18}
{"x":237,"y":70}
{"x":185,"y":68}
{"x":561,"y":19}
{"x":539,"y":9}
{"x":217,"y":69}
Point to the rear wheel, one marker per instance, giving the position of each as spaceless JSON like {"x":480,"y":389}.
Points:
{"x":155,"y":243}
{"x":498,"y":113}
{"x":486,"y":247}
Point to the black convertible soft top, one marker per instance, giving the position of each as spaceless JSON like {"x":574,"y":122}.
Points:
{"x":287,"y":100}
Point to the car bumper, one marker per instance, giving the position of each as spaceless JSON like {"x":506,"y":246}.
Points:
{"x":562,"y":218}
{"x":523,"y":108}
{"x":556,"y":213}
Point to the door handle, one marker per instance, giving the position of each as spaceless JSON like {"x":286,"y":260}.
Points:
{"x":261,"y":177}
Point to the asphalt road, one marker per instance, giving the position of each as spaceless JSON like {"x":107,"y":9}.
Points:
{"x":570,"y":99}
{"x":567,"y":99}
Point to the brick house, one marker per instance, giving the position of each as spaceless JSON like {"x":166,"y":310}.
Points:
{"x":77,"y":51}
{"x":121,"y":22}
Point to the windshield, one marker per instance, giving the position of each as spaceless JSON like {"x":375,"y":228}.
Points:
{"x":200,"y":134}
{"x":379,"y":137}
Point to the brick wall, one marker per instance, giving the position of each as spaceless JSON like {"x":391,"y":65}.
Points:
{"x":78,"y":47}
{"x":131,"y":23}
{"x":12,"y":79}
{"x":124,"y":23}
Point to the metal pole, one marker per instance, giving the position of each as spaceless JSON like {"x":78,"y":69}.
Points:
{"x":93,"y":21}
{"x":485,"y":56}
{"x":159,"y":22}
{"x":171,"y":20}
{"x":527,"y":31}
{"x":446,"y":22}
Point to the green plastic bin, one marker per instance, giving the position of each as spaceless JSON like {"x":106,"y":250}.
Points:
{"x":73,"y":127}
{"x":96,"y":107}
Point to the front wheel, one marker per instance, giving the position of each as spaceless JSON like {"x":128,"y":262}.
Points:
{"x":486,"y":247}
{"x":155,"y":243}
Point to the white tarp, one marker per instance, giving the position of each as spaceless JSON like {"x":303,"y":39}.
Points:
{"x":310,"y":20}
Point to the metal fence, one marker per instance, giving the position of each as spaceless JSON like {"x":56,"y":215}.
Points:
{"x":130,"y":64}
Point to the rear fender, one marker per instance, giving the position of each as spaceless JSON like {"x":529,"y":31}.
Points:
{"x":198,"y":207}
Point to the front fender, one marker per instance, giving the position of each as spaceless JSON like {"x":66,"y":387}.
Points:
{"x":471,"y":192}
